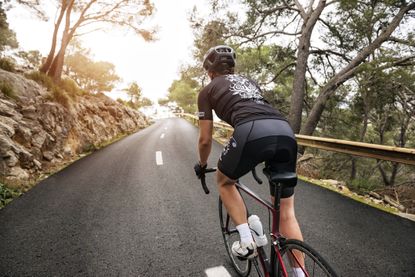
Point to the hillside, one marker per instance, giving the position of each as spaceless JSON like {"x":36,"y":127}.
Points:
{"x":39,"y":133}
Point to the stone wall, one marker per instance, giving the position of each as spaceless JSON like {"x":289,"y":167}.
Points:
{"x":37,"y":133}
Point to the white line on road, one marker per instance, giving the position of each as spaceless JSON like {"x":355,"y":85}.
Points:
{"x":218,"y":271}
{"x":159,"y":158}
{"x":162,"y":136}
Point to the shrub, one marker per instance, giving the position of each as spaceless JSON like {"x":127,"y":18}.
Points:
{"x":363,"y":185}
{"x":7,"y":195}
{"x":7,"y":64}
{"x":70,"y":87}
{"x":60,"y":96}
{"x":7,"y":89}
{"x":41,"y":79}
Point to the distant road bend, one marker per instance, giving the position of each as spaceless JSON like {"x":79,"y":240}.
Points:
{"x":135,"y":208}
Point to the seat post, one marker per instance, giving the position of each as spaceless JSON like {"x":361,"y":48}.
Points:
{"x":277,"y":199}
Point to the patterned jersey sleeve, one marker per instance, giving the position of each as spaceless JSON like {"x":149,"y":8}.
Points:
{"x":203,"y":103}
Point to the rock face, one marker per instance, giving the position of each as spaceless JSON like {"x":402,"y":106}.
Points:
{"x":37,"y":133}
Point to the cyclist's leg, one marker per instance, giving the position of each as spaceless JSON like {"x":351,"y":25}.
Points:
{"x":289,"y":226}
{"x":231,"y":198}
{"x":230,"y":168}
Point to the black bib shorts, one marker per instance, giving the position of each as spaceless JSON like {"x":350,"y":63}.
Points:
{"x":264,"y":140}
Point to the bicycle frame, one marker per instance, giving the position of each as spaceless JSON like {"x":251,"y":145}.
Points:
{"x":270,"y":271}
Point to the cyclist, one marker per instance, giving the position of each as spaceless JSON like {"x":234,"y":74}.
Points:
{"x":261,"y":134}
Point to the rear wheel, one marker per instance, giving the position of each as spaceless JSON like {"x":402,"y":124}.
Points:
{"x":297,"y":254}
{"x":230,"y":235}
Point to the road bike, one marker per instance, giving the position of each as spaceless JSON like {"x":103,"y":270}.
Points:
{"x":284,"y":254}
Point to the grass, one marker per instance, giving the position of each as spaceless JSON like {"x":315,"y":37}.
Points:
{"x":7,"y":195}
{"x":7,"y":64}
{"x":7,"y":89}
{"x":58,"y":93}
{"x":355,"y":197}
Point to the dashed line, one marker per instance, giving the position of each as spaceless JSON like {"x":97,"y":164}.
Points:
{"x":162,"y":136}
{"x":218,"y":271}
{"x":159,"y":158}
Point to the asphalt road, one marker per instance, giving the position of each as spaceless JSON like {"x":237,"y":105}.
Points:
{"x":127,"y":211}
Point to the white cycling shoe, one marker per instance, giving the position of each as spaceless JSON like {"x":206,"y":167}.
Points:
{"x":244,"y":251}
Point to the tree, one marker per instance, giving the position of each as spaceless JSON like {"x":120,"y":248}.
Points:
{"x":184,"y":94}
{"x":145,"y":102}
{"x":92,"y":76}
{"x":134,"y":91}
{"x":122,"y":13}
{"x":163,"y":101}
{"x":7,"y":36}
{"x":33,"y":58}
{"x":349,"y":33}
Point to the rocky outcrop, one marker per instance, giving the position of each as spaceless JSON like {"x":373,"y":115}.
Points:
{"x":37,"y":132}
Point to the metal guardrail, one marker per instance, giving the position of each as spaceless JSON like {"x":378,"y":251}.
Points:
{"x":367,"y":150}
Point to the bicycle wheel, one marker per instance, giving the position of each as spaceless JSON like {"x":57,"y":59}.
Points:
{"x":297,"y":254}
{"x":230,"y":235}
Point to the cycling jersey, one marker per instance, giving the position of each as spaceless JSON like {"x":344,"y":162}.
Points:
{"x":261,"y":133}
{"x":235,"y":99}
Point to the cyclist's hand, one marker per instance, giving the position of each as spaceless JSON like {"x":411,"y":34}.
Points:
{"x":200,"y":170}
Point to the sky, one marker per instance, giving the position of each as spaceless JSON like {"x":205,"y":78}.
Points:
{"x":152,"y":65}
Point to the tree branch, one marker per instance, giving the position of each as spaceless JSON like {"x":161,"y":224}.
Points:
{"x":402,"y":41}
{"x":328,"y":52}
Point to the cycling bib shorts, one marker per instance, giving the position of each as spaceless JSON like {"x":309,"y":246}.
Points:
{"x":264,"y":140}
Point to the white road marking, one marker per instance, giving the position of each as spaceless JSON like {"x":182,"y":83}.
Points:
{"x":218,"y":271}
{"x":162,"y":136}
{"x":159,"y":158}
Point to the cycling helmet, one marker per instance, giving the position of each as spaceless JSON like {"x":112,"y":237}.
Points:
{"x":218,"y":55}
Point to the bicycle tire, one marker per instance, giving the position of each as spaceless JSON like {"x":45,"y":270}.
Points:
{"x":230,"y":234}
{"x":315,"y":264}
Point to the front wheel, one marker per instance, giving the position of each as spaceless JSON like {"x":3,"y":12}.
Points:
{"x":230,"y":235}
{"x":299,"y":256}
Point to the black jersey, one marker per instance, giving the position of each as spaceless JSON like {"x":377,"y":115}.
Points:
{"x":235,"y":99}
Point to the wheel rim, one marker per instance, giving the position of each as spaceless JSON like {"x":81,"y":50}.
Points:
{"x":296,"y":256}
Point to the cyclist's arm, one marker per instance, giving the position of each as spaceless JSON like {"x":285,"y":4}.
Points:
{"x":205,"y":140}
{"x":205,"y":125}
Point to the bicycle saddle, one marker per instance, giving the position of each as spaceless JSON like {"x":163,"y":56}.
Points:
{"x":286,"y":178}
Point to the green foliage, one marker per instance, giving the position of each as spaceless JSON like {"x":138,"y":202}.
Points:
{"x":92,"y":76}
{"x":163,"y":101}
{"x":363,"y":185}
{"x":7,"y":64}
{"x":71,"y":87}
{"x":7,"y":195}
{"x":134,"y":91}
{"x":32,"y":58}
{"x":41,"y":79}
{"x":7,"y":89}
{"x":145,"y":102}
{"x":184,"y":94}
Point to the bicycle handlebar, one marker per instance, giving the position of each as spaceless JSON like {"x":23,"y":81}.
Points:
{"x":207,"y":170}
{"x":203,"y":181}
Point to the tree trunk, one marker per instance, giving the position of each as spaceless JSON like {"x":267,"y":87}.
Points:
{"x":46,"y":65}
{"x":347,"y":72}
{"x":299,"y":82}
{"x":55,"y":70}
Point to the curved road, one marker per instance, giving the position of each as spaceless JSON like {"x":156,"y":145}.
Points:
{"x":127,"y":211}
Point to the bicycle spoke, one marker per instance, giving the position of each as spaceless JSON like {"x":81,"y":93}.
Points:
{"x":298,"y":256}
